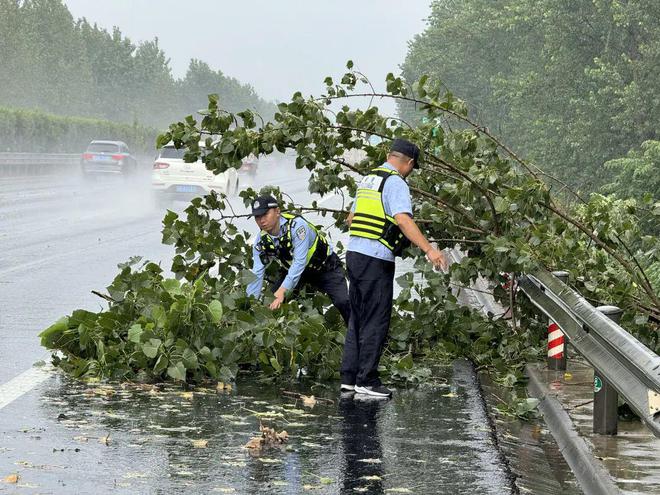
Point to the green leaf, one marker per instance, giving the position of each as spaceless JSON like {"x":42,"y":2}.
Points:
{"x":215,"y":308}
{"x":134,"y":333}
{"x":177,"y":372}
{"x":275,"y":364}
{"x":161,"y":364}
{"x":159,"y":315}
{"x":501,"y":204}
{"x":150,"y":348}
{"x":190,"y":359}
{"x":172,"y":286}
{"x":406,"y":362}
{"x":50,"y":336}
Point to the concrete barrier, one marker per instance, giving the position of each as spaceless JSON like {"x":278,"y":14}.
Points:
{"x":16,"y":164}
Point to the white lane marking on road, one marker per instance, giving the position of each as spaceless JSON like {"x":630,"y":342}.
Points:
{"x":22,"y":384}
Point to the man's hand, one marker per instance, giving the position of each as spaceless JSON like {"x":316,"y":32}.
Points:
{"x":438,"y":258}
{"x":279,"y":298}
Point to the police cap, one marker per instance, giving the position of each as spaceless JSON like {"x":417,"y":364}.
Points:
{"x":262,"y":204}
{"x":407,"y":148}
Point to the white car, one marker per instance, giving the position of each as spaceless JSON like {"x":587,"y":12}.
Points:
{"x":172,"y":177}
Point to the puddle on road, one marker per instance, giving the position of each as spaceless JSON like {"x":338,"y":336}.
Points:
{"x":72,"y":437}
{"x":530,"y":449}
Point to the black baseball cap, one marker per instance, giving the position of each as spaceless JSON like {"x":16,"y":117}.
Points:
{"x":407,"y":148}
{"x":262,"y":204}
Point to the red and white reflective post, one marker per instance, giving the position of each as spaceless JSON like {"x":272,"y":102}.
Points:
{"x":557,"y":341}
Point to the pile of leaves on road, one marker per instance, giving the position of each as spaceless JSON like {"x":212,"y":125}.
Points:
{"x":203,"y":326}
{"x":268,"y":438}
{"x":472,"y":192}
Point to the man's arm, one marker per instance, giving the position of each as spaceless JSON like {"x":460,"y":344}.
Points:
{"x":412,"y":232}
{"x":302,"y":239}
{"x":258,"y":268}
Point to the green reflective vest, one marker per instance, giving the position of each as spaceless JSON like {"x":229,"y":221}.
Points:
{"x":317,"y":254}
{"x":369,"y":219}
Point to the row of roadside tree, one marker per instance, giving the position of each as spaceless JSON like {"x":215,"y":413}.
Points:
{"x":60,"y":65}
{"x":573,"y":85}
{"x":35,"y":131}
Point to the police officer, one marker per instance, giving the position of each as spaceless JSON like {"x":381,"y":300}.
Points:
{"x":381,"y":226}
{"x":301,"y":250}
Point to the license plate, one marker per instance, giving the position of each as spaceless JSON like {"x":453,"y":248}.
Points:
{"x":102,"y":158}
{"x":186,"y":188}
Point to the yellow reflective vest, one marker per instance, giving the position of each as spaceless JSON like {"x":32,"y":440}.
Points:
{"x":369,"y":219}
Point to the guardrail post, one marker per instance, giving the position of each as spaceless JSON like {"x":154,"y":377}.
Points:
{"x":557,"y":341}
{"x":606,"y":399}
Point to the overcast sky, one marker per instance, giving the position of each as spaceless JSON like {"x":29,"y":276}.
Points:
{"x":278,"y":46}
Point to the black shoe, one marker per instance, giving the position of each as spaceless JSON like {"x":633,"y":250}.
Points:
{"x":374,"y":391}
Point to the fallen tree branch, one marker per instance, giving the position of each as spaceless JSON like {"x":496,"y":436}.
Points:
{"x":103,"y":296}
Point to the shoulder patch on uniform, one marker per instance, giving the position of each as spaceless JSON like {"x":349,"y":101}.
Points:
{"x":301,"y":233}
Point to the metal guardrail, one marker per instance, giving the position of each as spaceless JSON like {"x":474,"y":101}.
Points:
{"x":36,"y":163}
{"x":629,"y":367}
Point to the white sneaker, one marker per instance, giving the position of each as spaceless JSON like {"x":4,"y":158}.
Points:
{"x":347,"y":386}
{"x":375,"y":391}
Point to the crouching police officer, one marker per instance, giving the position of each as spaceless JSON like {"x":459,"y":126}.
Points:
{"x":381,"y":227}
{"x":301,"y":250}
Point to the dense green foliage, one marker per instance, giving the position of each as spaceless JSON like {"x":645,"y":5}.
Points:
{"x":161,"y":328}
{"x":38,"y":132}
{"x":204,"y":326}
{"x":569,"y":84}
{"x":60,"y":65}
{"x":638,"y":171}
{"x":471,"y":192}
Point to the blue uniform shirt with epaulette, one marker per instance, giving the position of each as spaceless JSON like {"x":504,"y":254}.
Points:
{"x":302,"y":238}
{"x":396,"y":199}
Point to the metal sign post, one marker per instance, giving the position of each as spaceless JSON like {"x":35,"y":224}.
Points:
{"x":606,"y":398}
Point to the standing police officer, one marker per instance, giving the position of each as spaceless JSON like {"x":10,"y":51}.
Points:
{"x":381,"y":226}
{"x":301,"y":250}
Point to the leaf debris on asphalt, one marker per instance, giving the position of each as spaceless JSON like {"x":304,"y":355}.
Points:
{"x":269,"y":438}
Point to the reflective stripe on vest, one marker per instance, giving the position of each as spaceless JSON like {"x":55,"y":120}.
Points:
{"x":369,"y":219}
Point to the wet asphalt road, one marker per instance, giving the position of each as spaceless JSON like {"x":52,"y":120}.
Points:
{"x":66,"y":437}
{"x":61,"y":238}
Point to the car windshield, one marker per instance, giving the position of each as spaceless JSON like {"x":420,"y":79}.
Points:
{"x":172,"y":152}
{"x":103,"y":148}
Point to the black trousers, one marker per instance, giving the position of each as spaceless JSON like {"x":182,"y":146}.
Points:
{"x":370,"y":293}
{"x":330,"y":280}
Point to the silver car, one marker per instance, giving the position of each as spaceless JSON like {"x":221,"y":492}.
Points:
{"x":108,"y":157}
